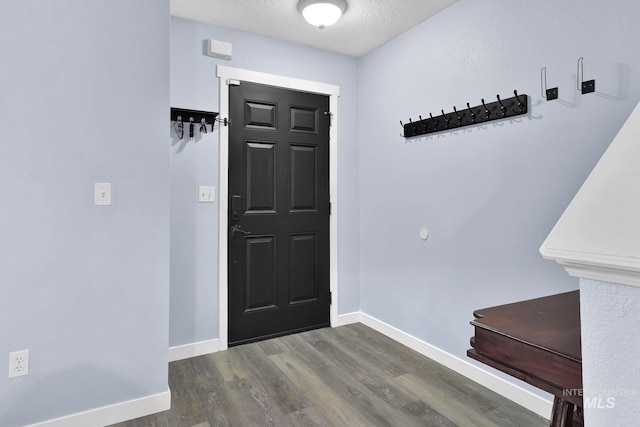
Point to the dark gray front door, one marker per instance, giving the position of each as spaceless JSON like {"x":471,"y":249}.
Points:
{"x":278,"y":212}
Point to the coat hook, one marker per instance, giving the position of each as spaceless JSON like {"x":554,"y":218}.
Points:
{"x":502,"y":107}
{"x":473,"y":115}
{"x":401,"y":123}
{"x":435,"y":122}
{"x":446,"y":120}
{"x":549,"y":94}
{"x":486,"y":110}
{"x":179,"y":127}
{"x":588,"y":86}
{"x":191,"y":125}
{"x":459,"y":116}
{"x":520,"y":103}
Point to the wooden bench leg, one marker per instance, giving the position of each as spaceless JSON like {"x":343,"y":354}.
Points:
{"x":562,"y":414}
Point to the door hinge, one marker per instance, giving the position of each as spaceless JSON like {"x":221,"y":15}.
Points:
{"x":233,"y":82}
{"x":330,"y":298}
{"x":330,"y":208}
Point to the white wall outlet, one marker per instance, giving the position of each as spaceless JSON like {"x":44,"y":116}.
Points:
{"x":102,"y":194}
{"x":206,"y":194}
{"x":18,"y":363}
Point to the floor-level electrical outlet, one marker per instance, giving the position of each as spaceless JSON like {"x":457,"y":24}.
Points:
{"x":18,"y":363}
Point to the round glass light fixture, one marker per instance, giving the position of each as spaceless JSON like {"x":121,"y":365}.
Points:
{"x":322,"y":13}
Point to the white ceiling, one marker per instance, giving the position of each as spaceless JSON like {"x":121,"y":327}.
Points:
{"x":365,"y":25}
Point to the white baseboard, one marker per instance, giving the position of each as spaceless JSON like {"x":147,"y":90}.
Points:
{"x":348,"y":319}
{"x":192,"y":350}
{"x":112,"y":414}
{"x":513,"y":392}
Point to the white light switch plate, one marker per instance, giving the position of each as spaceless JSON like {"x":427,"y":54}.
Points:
{"x":102,"y":194}
{"x":206,"y":194}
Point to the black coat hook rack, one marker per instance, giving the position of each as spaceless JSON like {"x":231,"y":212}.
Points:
{"x":485,"y":112}
{"x":184,"y":115}
{"x":193,"y":117}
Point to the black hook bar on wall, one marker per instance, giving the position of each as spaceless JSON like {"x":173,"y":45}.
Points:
{"x":182,"y":115}
{"x":485,"y":112}
{"x":197,"y":116}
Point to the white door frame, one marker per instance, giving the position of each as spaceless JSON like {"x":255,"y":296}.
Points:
{"x":225,"y":73}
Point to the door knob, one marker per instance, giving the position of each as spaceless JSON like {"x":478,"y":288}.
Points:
{"x":236,"y":229}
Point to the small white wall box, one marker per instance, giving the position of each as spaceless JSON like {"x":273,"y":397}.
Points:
{"x":218,"y":49}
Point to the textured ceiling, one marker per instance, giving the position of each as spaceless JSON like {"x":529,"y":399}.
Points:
{"x":365,"y":25}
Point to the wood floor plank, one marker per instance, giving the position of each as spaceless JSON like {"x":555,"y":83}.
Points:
{"x":271,"y":347}
{"x":229,"y":364}
{"x":361,"y":367}
{"x":215,"y":396}
{"x":467,"y":392}
{"x":280,"y":389}
{"x":185,"y":403}
{"x":364,"y":367}
{"x":427,"y":415}
{"x":359,"y":346}
{"x":442,"y":402}
{"x":332,"y":377}
{"x":336,"y":407}
{"x":340,"y":378}
{"x":309,"y":417}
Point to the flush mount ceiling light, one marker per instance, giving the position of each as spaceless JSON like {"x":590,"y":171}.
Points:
{"x":322,"y":13}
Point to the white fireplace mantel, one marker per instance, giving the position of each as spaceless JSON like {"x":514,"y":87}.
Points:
{"x":598,"y":235}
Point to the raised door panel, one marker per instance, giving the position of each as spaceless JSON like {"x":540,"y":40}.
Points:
{"x":303,"y":181}
{"x":260,"y":177}
{"x":304,"y":119}
{"x":260,"y":115}
{"x":261,"y":273}
{"x":303,"y":268}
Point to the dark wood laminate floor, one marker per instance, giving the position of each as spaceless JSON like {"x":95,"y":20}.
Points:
{"x":345,"y":376}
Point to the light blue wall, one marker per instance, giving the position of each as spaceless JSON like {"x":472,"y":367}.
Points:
{"x":610,"y":315}
{"x":194,"y":236}
{"x":489,"y":194}
{"x":84,"y":98}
